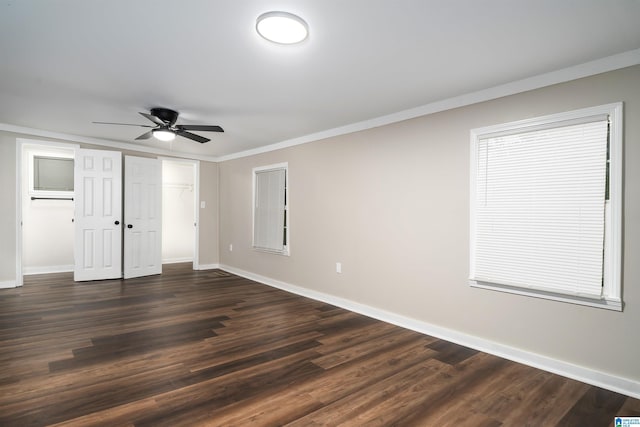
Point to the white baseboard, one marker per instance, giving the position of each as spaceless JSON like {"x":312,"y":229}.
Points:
{"x":566,"y":369}
{"x":176,"y":260}
{"x":47,"y":269}
{"x":207,"y":267}
{"x":8,"y":284}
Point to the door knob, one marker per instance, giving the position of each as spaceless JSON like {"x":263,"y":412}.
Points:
{"x":117,"y":223}
{"x":129,"y":226}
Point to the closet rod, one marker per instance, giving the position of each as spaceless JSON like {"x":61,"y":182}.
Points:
{"x":51,"y":198}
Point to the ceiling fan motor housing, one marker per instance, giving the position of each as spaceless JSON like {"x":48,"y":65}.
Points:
{"x":166,"y":115}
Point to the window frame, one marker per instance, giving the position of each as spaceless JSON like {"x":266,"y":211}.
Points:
{"x":32,"y":191}
{"x":286,"y":250}
{"x":612,"y":246}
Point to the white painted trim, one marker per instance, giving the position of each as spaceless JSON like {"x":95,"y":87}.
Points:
{"x":18,"y":225}
{"x":286,"y":251}
{"x":46,"y":152}
{"x":605,"y":303}
{"x":177,"y":260}
{"x":598,"y":66}
{"x":101,"y":142}
{"x":208,"y":267}
{"x":196,"y":209}
{"x":616,"y":194}
{"x":603,"y":65}
{"x":196,"y":214}
{"x":556,"y":366}
{"x":21,"y":144}
{"x":613,"y":110}
{"x":611,"y":293}
{"x":7,"y":284}
{"x":48,"y":269}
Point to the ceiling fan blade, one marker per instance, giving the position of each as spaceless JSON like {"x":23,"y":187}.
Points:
{"x":193,"y":136}
{"x":201,"y":128}
{"x":146,"y":135}
{"x":122,"y":124}
{"x":154,"y":119}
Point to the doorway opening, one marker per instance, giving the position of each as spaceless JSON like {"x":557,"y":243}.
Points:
{"x":46,"y":218}
{"x":180,"y":211}
{"x":45,"y":207}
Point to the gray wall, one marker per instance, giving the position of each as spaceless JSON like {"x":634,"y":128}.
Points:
{"x":7,"y":207}
{"x":392,"y":205}
{"x":208,"y":236}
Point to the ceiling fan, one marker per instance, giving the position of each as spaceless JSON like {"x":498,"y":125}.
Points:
{"x":166,"y":129}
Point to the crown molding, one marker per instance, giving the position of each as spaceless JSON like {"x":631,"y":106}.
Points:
{"x":591,"y":68}
{"x":587,"y":69}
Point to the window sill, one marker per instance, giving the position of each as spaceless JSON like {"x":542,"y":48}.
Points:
{"x":608,"y":304}
{"x":284,"y":252}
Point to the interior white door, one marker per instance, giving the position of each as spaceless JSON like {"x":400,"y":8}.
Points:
{"x":142,"y":216}
{"x":98,"y":210}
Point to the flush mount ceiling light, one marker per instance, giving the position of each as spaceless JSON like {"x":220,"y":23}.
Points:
{"x":282,"y":27}
{"x":164,"y":134}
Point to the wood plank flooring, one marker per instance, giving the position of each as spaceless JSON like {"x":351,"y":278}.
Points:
{"x":210,"y":348}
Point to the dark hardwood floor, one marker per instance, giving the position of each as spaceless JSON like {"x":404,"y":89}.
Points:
{"x":211,"y":348}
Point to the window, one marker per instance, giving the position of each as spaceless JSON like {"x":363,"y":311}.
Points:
{"x":50,"y":175}
{"x":270,"y":212}
{"x":546,"y":207}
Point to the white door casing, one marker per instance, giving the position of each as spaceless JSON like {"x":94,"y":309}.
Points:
{"x":98,"y":213}
{"x":142,"y":217}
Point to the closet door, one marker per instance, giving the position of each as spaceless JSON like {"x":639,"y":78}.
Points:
{"x":98,"y":210}
{"x":142,"y":216}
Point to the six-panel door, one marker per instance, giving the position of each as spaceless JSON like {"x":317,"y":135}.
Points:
{"x":98,"y":210}
{"x":143,"y":216}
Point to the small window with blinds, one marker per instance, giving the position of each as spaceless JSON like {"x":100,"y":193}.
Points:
{"x":270,"y":210}
{"x":546,"y":207}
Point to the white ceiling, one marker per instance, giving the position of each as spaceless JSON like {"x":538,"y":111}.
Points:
{"x":67,"y":63}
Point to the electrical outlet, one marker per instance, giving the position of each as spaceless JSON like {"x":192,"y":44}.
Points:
{"x":338,"y":267}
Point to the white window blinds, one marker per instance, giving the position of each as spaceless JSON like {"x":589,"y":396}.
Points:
{"x":539,"y":208}
{"x":270,"y":215}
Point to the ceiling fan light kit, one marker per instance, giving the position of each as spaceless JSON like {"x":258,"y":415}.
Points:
{"x":164,"y":134}
{"x":282,"y":27}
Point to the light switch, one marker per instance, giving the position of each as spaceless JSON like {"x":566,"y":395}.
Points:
{"x":203,"y":204}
